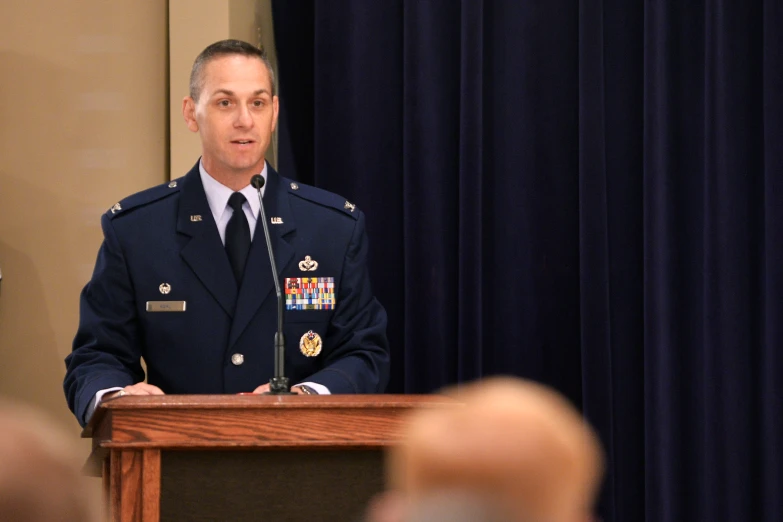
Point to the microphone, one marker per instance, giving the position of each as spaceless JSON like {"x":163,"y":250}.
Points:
{"x":278,"y":385}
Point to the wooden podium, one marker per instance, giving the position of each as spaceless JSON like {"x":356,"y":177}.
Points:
{"x":245,"y":457}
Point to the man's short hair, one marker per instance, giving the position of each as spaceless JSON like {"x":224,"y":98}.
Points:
{"x":226,"y":48}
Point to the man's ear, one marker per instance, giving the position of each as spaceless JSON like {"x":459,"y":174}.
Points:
{"x":276,"y":109}
{"x":189,"y":113}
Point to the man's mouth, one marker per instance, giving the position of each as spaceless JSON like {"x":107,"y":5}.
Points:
{"x":242,"y":142}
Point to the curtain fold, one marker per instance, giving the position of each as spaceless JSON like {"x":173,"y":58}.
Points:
{"x":583,"y":193}
{"x":431,"y":125}
{"x":769,"y":446}
{"x":471,"y":178}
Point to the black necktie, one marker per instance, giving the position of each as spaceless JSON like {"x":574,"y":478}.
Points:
{"x":237,"y":236}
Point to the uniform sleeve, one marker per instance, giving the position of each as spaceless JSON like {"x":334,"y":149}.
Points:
{"x":106,"y":350}
{"x":358,"y":359}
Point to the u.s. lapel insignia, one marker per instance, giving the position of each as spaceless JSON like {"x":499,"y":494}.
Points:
{"x":115,"y":208}
{"x":277,"y":221}
{"x":308,"y":265}
{"x":350,"y":206}
{"x":195,"y":218}
{"x":164,"y":288}
{"x":310,"y":344}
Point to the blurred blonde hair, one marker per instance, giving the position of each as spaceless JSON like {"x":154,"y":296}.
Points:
{"x":518,"y":443}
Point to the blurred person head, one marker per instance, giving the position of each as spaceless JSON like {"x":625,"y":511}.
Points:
{"x":233,"y":106}
{"x":40,"y":479}
{"x":518,"y":445}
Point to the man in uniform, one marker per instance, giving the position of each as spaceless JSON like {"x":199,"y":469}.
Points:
{"x":183,"y":276}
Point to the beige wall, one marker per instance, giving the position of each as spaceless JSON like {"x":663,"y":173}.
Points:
{"x":193,"y":25}
{"x":211,"y":19}
{"x":83,"y":123}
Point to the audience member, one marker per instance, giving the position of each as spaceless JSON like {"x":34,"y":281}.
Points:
{"x":517,"y":446}
{"x":40,"y":478}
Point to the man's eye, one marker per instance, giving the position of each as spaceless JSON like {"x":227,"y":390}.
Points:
{"x":257,"y":103}
{"x":224,"y":103}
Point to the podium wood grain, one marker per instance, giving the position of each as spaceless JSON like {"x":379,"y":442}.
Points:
{"x":245,"y":457}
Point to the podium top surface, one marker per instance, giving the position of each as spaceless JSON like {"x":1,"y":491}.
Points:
{"x":172,"y":404}
{"x":204,"y":422}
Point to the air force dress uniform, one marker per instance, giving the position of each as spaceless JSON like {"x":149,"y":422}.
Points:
{"x":163,"y":289}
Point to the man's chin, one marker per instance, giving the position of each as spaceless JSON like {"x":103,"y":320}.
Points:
{"x":235,"y":166}
{"x":247,"y":167}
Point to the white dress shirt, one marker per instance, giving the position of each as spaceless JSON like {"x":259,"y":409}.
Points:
{"x":217,"y":197}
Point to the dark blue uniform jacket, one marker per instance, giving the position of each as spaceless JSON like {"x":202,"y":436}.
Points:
{"x":153,"y":239}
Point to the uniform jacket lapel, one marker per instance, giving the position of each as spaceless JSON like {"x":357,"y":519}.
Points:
{"x":257,"y":283}
{"x":204,"y":252}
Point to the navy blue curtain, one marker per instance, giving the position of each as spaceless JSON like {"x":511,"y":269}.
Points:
{"x":587,"y":193}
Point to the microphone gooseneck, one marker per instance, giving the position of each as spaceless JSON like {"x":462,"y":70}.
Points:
{"x":278,"y":385}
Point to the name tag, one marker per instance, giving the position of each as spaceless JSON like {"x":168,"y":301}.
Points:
{"x":166,"y":306}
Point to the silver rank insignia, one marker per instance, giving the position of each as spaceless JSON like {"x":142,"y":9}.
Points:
{"x":164,"y":288}
{"x":173,"y":184}
{"x":350,"y":206}
{"x":277,"y":221}
{"x":115,"y":208}
{"x":308,"y":265}
{"x":310,"y":344}
{"x":294,"y":186}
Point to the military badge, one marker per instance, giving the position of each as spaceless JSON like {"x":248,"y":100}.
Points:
{"x":164,"y":288}
{"x":115,"y":208}
{"x":309,"y":293}
{"x":310,"y":344}
{"x":308,"y":265}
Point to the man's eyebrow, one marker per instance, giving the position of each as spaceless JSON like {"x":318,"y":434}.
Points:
{"x":231,"y":93}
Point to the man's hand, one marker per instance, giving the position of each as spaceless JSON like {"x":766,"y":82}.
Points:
{"x":262,"y":389}
{"x":140,"y":388}
{"x":265,"y":388}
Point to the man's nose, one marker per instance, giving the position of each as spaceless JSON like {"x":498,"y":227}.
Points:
{"x":243,"y":118}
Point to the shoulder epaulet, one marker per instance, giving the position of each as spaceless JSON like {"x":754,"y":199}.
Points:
{"x":145,"y":197}
{"x":322,"y":197}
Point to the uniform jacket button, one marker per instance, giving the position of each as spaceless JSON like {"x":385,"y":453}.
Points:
{"x":237,"y":359}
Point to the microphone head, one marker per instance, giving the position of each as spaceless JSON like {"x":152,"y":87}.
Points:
{"x":257,"y":181}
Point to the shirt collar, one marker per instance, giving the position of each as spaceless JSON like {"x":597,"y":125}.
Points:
{"x":218,"y":194}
